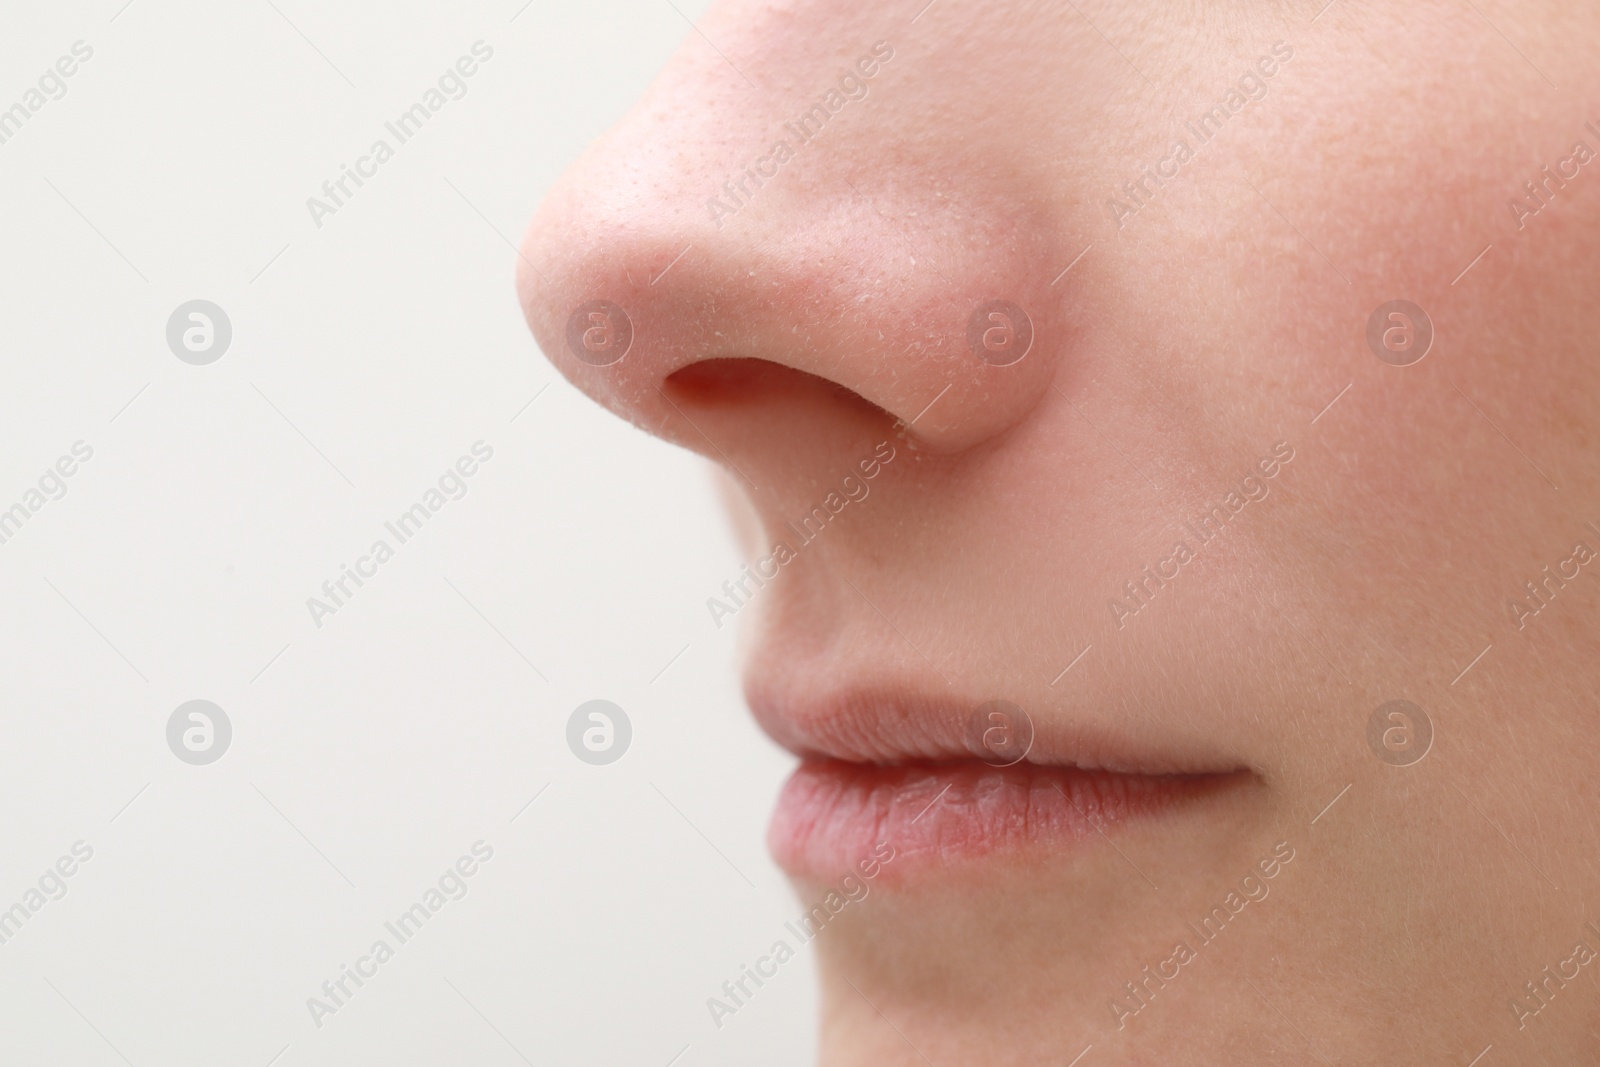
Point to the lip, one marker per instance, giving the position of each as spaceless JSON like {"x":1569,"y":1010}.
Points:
{"x":887,"y":725}
{"x":904,"y":769}
{"x":832,"y":813}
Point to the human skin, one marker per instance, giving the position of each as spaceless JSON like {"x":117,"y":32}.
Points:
{"x":1220,"y":318}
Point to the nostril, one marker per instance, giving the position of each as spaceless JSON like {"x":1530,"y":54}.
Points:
{"x":717,"y":344}
{"x":741,"y":381}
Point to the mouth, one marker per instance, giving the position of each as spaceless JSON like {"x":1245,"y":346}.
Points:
{"x":832,"y":813}
{"x":942,"y":783}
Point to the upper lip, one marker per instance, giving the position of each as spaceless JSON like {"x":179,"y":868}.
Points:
{"x":891,"y":724}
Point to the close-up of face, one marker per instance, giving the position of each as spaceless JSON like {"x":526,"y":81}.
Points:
{"x":1163,"y":441}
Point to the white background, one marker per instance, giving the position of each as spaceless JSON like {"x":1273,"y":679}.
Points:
{"x":370,"y":754}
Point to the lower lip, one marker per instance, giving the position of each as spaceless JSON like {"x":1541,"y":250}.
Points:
{"x":833,"y":814}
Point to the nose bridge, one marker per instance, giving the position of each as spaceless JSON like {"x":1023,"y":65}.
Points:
{"x":666,"y":246}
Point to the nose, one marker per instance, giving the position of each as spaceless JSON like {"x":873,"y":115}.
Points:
{"x":712,"y":274}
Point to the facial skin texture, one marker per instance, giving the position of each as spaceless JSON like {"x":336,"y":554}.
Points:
{"x":1220,"y":318}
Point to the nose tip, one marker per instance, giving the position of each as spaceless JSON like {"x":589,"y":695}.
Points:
{"x":936,"y":320}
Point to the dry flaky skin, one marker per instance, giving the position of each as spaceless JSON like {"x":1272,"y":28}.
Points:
{"x":1221,"y":318}
{"x":934,"y":816}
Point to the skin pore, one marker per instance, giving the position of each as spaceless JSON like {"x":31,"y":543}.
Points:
{"x":1197,"y":317}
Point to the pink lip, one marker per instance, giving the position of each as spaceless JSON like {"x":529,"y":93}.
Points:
{"x":832,"y":813}
{"x":894,"y":764}
{"x":890,"y":724}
